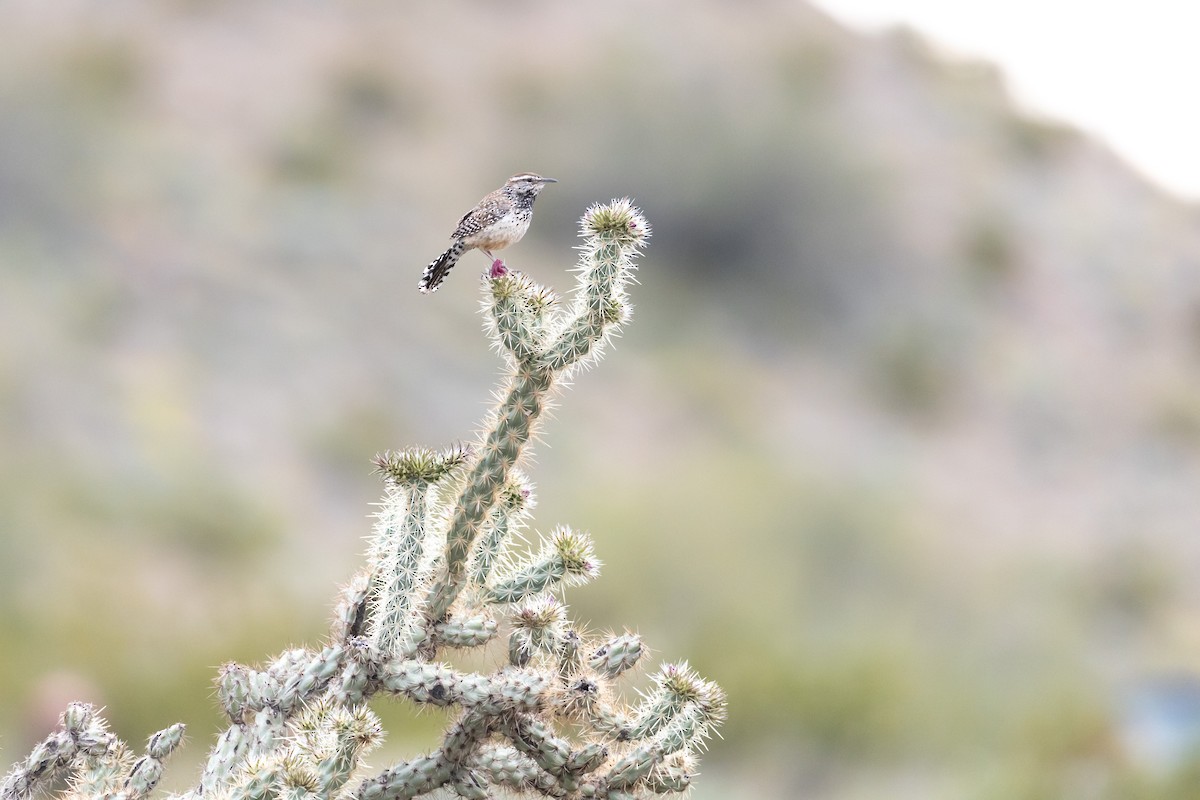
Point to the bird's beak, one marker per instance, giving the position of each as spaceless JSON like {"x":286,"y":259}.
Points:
{"x":549,"y":180}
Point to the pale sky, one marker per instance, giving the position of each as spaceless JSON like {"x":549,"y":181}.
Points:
{"x":1125,"y":71}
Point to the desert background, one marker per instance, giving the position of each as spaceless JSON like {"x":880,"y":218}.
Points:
{"x":901,"y":447}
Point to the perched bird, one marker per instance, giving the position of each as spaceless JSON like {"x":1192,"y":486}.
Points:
{"x":497,"y":221}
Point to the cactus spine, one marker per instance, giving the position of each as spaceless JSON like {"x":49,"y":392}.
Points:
{"x":439,"y":576}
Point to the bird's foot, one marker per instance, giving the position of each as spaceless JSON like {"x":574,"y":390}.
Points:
{"x":498,"y":269}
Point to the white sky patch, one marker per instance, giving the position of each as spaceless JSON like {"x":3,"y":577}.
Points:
{"x":1127,"y":72}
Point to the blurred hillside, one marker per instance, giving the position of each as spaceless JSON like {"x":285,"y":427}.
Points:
{"x":901,"y":447}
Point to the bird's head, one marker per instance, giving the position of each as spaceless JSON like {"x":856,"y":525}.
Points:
{"x":526,"y":184}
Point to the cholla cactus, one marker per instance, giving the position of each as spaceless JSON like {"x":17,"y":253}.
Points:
{"x":440,"y":574}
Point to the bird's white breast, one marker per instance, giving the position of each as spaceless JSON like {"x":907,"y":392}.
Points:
{"x":505,"y":231}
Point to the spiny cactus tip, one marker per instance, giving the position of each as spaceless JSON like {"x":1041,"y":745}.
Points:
{"x":577,"y":553}
{"x":419,"y":465}
{"x":542,"y":611}
{"x":618,"y":219}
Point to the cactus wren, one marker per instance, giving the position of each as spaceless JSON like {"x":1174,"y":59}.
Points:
{"x":498,"y":220}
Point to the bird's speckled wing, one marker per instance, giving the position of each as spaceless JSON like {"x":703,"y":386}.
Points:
{"x":490,"y":209}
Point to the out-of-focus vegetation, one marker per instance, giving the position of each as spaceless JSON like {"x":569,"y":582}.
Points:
{"x":905,"y":456}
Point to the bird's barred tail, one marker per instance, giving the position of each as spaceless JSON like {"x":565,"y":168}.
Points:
{"x":440,"y":267}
